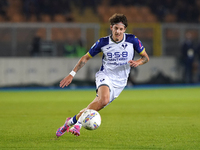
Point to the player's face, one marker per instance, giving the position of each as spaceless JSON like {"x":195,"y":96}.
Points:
{"x":117,"y":31}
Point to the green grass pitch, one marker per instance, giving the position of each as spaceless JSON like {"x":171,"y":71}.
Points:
{"x":166,"y":118}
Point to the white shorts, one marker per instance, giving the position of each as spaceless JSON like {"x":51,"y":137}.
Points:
{"x":102,"y":79}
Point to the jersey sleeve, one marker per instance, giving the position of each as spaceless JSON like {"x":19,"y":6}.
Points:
{"x":95,"y":49}
{"x":138,"y":46}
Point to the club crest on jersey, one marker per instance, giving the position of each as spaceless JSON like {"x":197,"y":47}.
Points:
{"x":124,"y":45}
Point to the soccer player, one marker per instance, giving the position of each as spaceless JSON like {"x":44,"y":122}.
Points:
{"x":118,"y":52}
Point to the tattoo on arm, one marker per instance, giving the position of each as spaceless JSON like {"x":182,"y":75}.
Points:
{"x":81,"y":62}
{"x":80,"y":65}
{"x":144,"y":60}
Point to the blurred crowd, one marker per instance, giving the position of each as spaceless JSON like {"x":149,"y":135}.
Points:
{"x":3,"y":7}
{"x":51,"y":8}
{"x":184,"y":11}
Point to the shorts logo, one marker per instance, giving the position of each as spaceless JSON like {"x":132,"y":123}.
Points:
{"x":102,"y":80}
{"x":109,"y":47}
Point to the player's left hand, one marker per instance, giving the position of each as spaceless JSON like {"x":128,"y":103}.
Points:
{"x":133,"y":63}
{"x":66,"y":81}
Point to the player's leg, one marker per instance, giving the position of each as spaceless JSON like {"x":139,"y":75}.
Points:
{"x":100,"y":101}
{"x":104,"y":87}
{"x":97,"y":104}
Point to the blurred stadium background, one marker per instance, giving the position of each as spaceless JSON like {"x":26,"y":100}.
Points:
{"x":41,"y":40}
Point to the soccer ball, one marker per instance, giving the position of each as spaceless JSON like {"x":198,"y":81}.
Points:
{"x":91,"y":119}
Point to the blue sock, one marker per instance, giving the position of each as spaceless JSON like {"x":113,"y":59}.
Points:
{"x":74,"y":119}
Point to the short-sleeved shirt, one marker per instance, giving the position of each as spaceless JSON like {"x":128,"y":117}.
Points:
{"x":116,"y":56}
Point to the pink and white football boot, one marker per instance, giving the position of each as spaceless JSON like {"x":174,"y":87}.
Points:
{"x":63,"y":129}
{"x":75,"y":130}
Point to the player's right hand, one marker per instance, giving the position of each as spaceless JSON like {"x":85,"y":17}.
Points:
{"x":66,"y":81}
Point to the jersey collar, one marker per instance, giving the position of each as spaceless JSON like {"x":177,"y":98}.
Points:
{"x":115,"y":41}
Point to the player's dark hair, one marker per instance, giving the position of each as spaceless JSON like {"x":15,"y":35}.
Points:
{"x":117,"y":18}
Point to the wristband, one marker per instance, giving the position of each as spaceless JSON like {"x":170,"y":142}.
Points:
{"x":73,"y":73}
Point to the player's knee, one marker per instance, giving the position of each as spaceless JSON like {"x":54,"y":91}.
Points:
{"x":104,"y":100}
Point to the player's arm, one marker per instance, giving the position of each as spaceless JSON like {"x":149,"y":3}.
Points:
{"x":81,"y":62}
{"x":68,"y":79}
{"x":143,"y":60}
